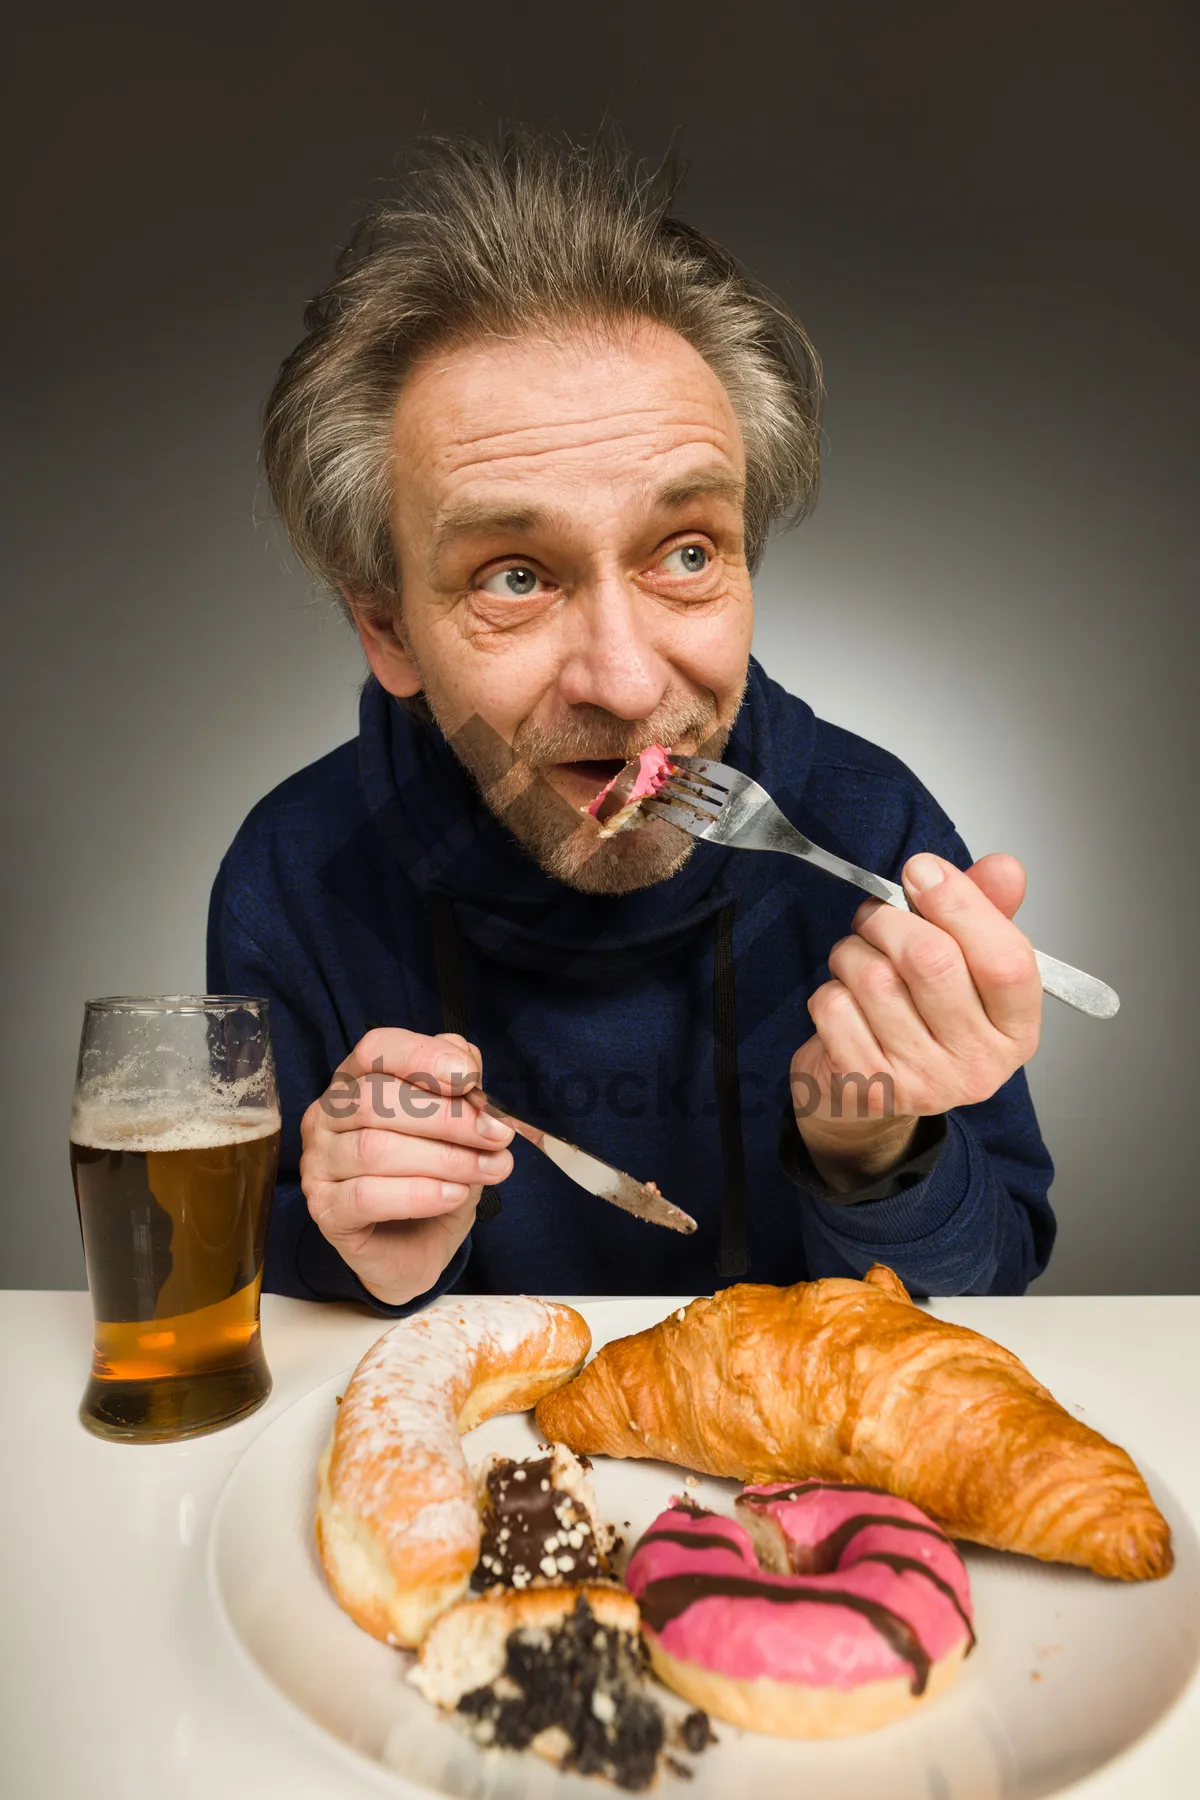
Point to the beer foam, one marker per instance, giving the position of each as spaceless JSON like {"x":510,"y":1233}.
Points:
{"x":99,"y":1126}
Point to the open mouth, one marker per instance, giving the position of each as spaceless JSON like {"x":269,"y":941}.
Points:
{"x":611,"y":789}
{"x":617,"y":804}
{"x":595,"y":769}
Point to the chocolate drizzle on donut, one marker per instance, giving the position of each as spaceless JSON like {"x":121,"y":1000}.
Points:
{"x":824,"y":1556}
{"x":692,"y":1508}
{"x":711,"y":1540}
{"x":692,"y":1540}
{"x":900,"y":1565}
{"x":750,"y":1498}
{"x":669,"y":1598}
{"x":666,"y":1599}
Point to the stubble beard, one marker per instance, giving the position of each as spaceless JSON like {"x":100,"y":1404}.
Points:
{"x":514,"y":786}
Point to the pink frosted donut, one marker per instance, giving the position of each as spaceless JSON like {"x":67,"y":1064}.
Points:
{"x":831,"y":1609}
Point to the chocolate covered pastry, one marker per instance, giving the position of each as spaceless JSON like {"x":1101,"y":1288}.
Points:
{"x":539,"y":1523}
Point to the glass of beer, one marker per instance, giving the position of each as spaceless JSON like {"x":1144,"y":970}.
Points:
{"x":174,"y":1143}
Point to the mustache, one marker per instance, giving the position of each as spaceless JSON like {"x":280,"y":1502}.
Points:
{"x":600,"y":737}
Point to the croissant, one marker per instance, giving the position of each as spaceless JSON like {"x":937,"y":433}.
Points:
{"x":842,"y":1380}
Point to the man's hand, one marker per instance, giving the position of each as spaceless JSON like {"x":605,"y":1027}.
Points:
{"x":394,"y":1159}
{"x":944,"y":1003}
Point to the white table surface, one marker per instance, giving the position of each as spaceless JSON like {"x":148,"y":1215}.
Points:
{"x":118,"y":1682}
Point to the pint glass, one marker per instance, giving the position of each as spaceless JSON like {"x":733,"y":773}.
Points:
{"x":174,"y":1142}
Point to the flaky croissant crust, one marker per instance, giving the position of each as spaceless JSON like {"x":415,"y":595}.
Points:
{"x":846,"y":1380}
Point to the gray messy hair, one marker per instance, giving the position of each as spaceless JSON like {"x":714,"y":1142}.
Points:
{"x":486,"y":238}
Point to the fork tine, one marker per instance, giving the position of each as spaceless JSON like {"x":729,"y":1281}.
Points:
{"x":687,"y":818}
{"x":710,"y":804}
{"x":695,"y":784}
{"x":689,"y":788}
{"x":699,"y":768}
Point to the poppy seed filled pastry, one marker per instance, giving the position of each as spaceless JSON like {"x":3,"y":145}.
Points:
{"x":557,"y":1670}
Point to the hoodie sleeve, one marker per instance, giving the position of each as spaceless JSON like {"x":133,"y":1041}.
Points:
{"x":969,"y":1212}
{"x":969,"y":1215}
{"x":300,"y":1260}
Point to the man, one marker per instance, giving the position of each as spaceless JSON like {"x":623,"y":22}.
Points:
{"x":536,"y":437}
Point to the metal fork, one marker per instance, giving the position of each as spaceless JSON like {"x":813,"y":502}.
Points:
{"x":723,"y":806}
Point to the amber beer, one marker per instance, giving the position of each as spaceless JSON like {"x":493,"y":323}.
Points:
{"x":173,"y":1208}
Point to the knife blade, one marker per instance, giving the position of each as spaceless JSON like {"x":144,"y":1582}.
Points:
{"x":641,"y":1198}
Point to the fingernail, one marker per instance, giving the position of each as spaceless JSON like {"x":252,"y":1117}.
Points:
{"x":492,"y":1161}
{"x":489,"y":1127}
{"x":450,"y":1070}
{"x":453,"y":1193}
{"x":923,"y":872}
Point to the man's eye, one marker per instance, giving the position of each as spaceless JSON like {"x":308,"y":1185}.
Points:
{"x":511,"y":584}
{"x":689,"y":559}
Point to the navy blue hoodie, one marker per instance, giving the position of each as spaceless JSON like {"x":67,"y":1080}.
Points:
{"x":594,"y":1016}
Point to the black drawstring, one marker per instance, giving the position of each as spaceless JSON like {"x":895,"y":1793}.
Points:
{"x":732,"y":1260}
{"x":447,"y":963}
{"x":447,"y":967}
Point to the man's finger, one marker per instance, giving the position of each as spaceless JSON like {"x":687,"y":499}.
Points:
{"x":850,"y":1045}
{"x":999,"y":956}
{"x":375,"y":1200}
{"x":456,"y":1038}
{"x":353,"y":1103}
{"x":883,"y":999}
{"x":396,"y":1153}
{"x":1002,"y":879}
{"x":443,"y":1064}
{"x":936,"y":976}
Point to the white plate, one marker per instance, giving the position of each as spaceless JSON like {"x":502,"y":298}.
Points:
{"x":1069,"y":1671}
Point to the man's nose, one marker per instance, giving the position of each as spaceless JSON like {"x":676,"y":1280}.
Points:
{"x":611,"y":660}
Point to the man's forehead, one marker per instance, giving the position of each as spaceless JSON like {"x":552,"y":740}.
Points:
{"x":510,"y":412}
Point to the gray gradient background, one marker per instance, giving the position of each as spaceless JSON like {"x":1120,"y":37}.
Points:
{"x":987,"y":223}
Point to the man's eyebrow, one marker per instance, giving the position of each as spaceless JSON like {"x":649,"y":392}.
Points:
{"x":481,"y":515}
{"x":476,"y":516}
{"x":718,"y":482}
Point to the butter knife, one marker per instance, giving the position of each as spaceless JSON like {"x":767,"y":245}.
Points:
{"x":641,"y":1198}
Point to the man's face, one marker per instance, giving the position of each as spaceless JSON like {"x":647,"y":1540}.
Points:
{"x":569,"y":534}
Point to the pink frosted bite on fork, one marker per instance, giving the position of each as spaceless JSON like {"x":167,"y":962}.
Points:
{"x":654,"y":770}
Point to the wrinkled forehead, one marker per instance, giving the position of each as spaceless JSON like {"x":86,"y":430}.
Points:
{"x":570,"y":413}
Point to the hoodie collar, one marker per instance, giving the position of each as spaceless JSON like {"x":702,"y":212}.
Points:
{"x":430,"y":815}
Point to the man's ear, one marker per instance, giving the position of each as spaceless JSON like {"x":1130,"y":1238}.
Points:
{"x":377,"y":621}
